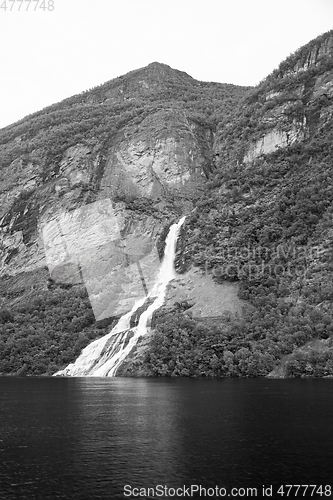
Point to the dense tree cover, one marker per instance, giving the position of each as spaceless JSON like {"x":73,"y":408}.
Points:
{"x":313,"y":361}
{"x":275,"y":239}
{"x":44,"y":329}
{"x":251,"y":346}
{"x":183,"y":346}
{"x":269,"y":226}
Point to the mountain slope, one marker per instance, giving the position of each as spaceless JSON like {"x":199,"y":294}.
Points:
{"x":147,"y":134}
{"x":124,"y":159}
{"x":265,"y":223}
{"x":251,"y":169}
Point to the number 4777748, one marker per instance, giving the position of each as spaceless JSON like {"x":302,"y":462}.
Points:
{"x":309,"y":490}
{"x":26,"y":5}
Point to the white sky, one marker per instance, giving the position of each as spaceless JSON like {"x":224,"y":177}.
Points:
{"x":47,"y":56}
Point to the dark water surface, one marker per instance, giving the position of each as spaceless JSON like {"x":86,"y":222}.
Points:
{"x":87,"y":438}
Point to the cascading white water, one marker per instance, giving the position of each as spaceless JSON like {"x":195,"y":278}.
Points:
{"x":103,"y":357}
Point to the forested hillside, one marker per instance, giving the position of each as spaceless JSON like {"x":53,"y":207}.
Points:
{"x":54,"y":161}
{"x":97,"y":114}
{"x":265,"y":221}
{"x":261,"y":218}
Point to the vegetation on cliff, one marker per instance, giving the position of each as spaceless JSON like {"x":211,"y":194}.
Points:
{"x":96,"y":115}
{"x":268,"y":225}
{"x":264,"y":220}
{"x":45,"y":328}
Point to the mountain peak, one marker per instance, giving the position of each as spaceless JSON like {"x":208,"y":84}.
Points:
{"x":158,"y":65}
{"x":157,"y":72}
{"x":155,"y":77}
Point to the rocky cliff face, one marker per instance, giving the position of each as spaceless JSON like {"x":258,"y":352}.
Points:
{"x":166,"y":154}
{"x":161,"y":159}
{"x":165,"y":157}
{"x":89,"y":186}
{"x":309,"y":56}
{"x":293,"y":104}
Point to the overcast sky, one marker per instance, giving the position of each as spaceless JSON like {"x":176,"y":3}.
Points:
{"x":48,"y":55}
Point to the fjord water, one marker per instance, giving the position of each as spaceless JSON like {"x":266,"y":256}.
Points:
{"x":86,"y":438}
{"x":102,"y":357}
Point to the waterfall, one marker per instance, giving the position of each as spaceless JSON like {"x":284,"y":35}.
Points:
{"x":103,"y":357}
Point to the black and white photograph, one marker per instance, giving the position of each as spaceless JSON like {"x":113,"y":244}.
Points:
{"x":166,"y":249}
